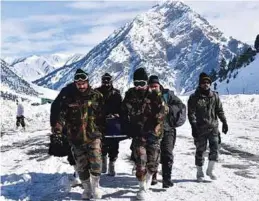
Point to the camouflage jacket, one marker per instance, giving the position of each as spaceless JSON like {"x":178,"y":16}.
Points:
{"x":81,"y":115}
{"x":204,"y":111}
{"x":143,"y":115}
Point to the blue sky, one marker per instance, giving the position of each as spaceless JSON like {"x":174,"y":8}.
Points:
{"x":46,"y":27}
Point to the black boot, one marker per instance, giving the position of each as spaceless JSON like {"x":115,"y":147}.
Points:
{"x":154,"y":179}
{"x":167,"y":182}
{"x":167,"y":170}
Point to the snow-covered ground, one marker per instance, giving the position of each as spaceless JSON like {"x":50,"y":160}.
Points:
{"x":45,"y":92}
{"x":28,"y":173}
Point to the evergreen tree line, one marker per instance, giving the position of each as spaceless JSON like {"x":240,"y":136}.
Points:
{"x":236,"y":63}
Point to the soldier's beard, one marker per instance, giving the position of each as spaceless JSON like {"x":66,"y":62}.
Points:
{"x":82,"y":89}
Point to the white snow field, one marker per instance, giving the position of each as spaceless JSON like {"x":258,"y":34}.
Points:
{"x":29,"y":173}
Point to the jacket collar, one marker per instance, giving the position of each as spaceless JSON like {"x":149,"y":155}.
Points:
{"x":200,"y":94}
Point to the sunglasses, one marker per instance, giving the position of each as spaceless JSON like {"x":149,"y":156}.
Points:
{"x":106,"y":81}
{"x":80,"y":76}
{"x":140,"y":83}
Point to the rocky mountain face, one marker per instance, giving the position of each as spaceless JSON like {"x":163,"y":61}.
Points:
{"x":170,"y":40}
{"x":11,"y":82}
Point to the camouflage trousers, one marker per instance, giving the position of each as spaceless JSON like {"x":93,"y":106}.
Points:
{"x":88,"y":158}
{"x":211,"y":136}
{"x":146,"y":155}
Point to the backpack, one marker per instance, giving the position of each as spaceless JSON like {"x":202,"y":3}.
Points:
{"x":178,"y":117}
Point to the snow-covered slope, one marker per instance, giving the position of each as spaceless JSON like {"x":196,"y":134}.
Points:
{"x":13,"y":86}
{"x":28,"y":173}
{"x":9,"y":60}
{"x":245,"y":82}
{"x":45,"y":92}
{"x":170,"y":40}
{"x":10,"y":82}
{"x":34,"y":67}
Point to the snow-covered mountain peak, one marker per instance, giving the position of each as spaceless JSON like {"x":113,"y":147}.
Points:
{"x":170,"y":40}
{"x":36,"y":66}
{"x":32,"y":58}
{"x":11,"y":82}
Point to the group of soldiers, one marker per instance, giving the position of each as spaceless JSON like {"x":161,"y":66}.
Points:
{"x":149,"y":115}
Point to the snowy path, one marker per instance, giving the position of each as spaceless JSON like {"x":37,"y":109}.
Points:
{"x":28,"y":173}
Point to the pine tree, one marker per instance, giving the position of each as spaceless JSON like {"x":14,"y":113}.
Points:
{"x":239,"y":61}
{"x":233,"y":64}
{"x":257,"y":43}
{"x":245,"y":58}
{"x":213,"y":75}
{"x":215,"y":85}
{"x":222,"y":69}
{"x":230,"y":66}
{"x":223,"y":63}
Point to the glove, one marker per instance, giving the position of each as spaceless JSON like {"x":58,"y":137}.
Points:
{"x":166,"y":109}
{"x":156,"y":96}
{"x":194,"y":131}
{"x":56,"y":136}
{"x":112,"y":115}
{"x":116,"y":115}
{"x":56,"y":130}
{"x":225,"y":127}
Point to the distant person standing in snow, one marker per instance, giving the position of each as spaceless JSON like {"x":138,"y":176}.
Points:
{"x":143,"y":113}
{"x":111,"y":109}
{"x":81,"y":115}
{"x":204,"y":109}
{"x":175,"y":117}
{"x":20,"y":114}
